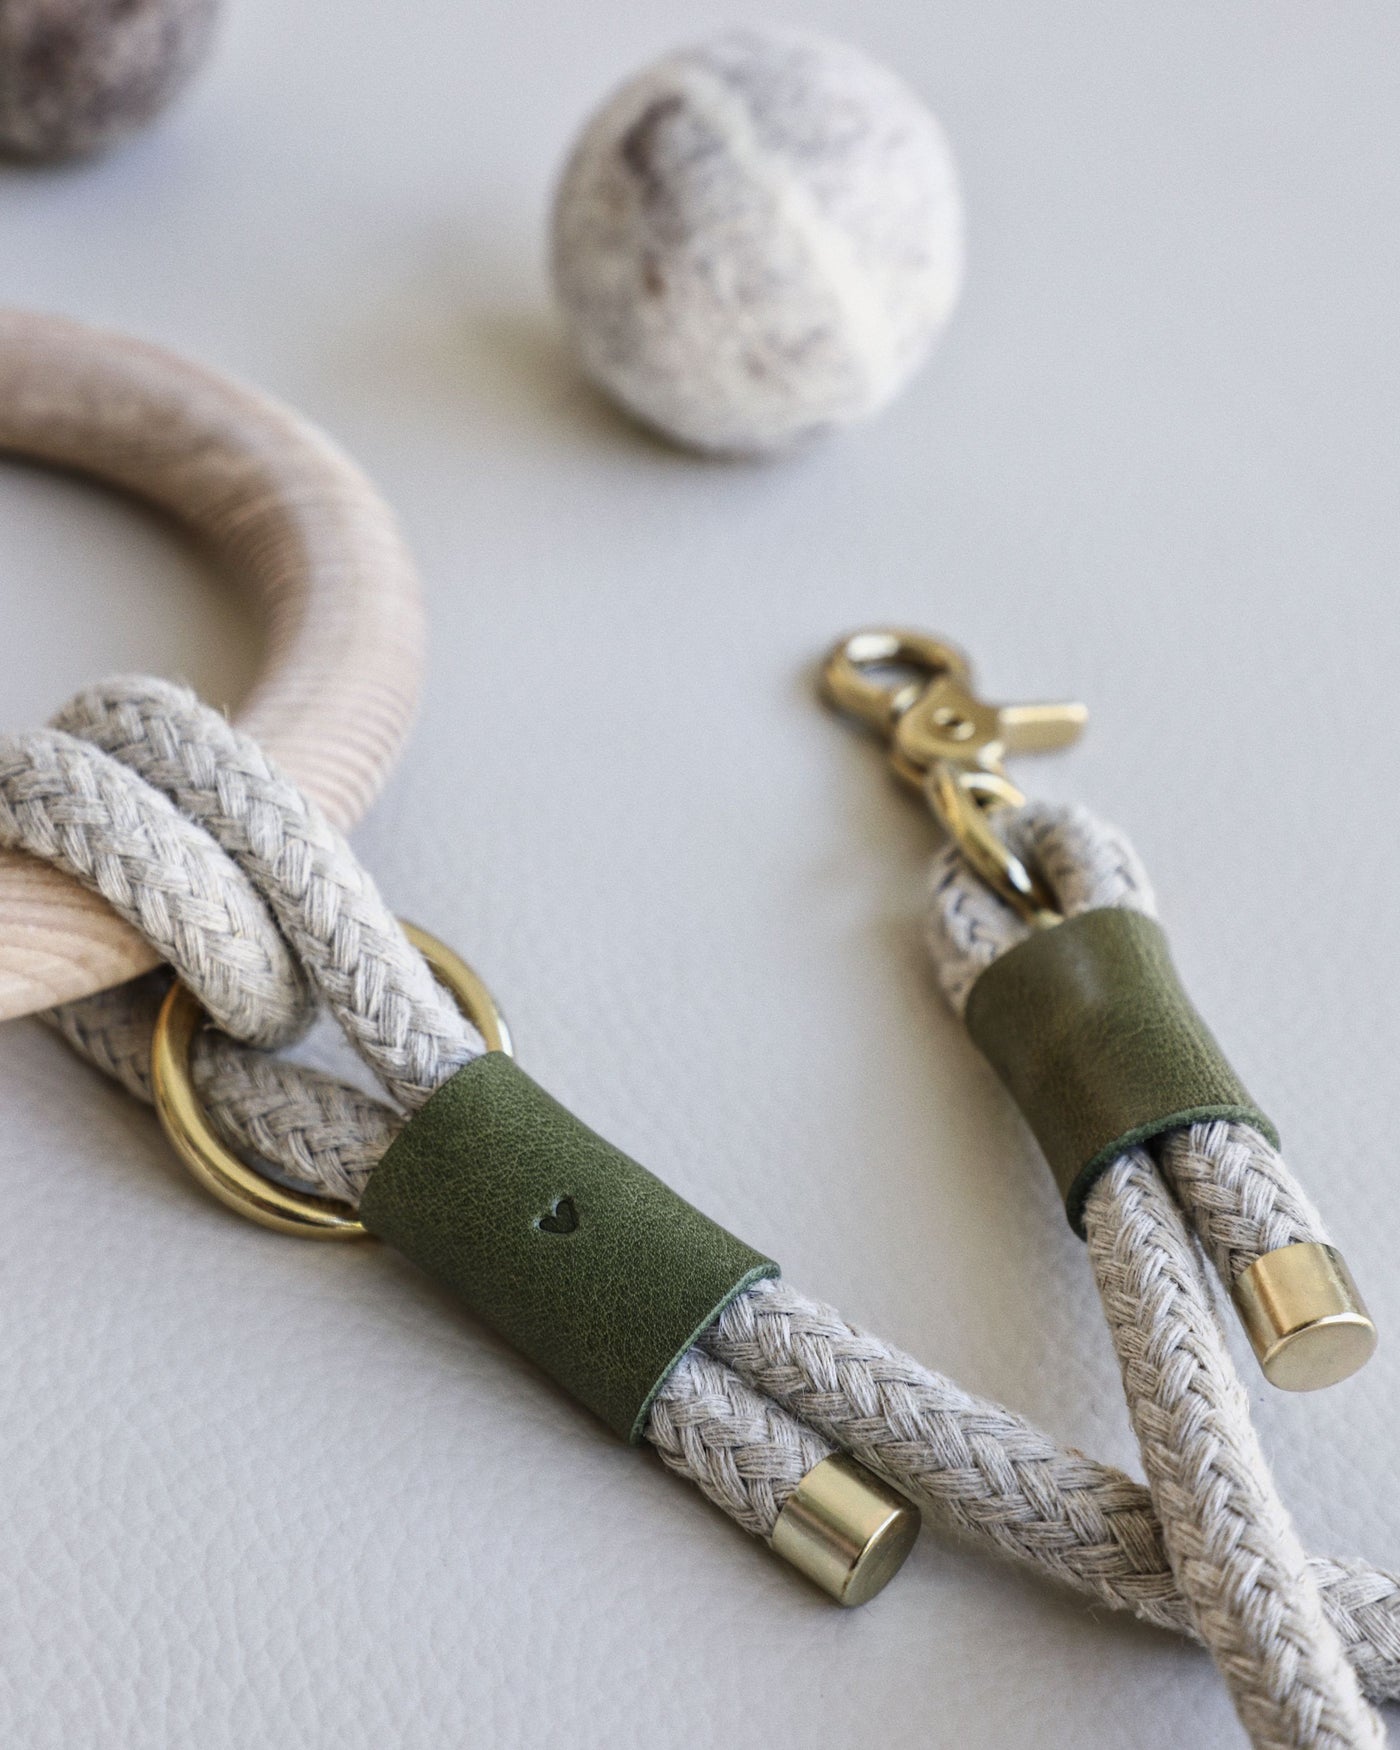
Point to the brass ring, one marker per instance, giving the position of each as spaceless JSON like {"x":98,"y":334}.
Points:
{"x":218,"y":1168}
{"x":962,"y":800}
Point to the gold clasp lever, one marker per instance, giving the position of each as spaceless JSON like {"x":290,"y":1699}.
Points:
{"x":917,"y":692}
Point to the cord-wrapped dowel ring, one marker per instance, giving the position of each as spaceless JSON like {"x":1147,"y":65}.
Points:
{"x":578,"y":1257}
{"x":1090,"y":1029}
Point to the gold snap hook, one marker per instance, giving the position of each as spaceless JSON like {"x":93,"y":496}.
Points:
{"x":218,"y":1168}
{"x":851,"y":674}
{"x":952,"y":745}
{"x":948,"y":723}
{"x":916,"y":690}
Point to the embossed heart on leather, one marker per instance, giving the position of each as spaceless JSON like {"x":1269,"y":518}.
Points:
{"x":560,"y":1218}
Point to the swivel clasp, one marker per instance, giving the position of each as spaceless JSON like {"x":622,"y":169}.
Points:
{"x":917,"y":691}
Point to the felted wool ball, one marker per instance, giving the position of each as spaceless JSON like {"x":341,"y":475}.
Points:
{"x":76,"y":75}
{"x":757,"y":239}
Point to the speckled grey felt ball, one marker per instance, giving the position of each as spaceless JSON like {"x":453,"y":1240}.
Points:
{"x":77,"y":75}
{"x":757,"y":239}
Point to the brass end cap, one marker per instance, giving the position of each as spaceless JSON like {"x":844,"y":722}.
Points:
{"x":846,"y":1529}
{"x":1305,"y":1320}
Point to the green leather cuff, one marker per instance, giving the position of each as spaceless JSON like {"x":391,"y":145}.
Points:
{"x":1088,"y":1026}
{"x":579,"y":1257}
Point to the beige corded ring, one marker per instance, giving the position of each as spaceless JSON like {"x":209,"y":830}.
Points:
{"x":292,"y":520}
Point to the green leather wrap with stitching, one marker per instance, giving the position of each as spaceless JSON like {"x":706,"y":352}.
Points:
{"x":1088,"y":1026}
{"x":579,"y":1257}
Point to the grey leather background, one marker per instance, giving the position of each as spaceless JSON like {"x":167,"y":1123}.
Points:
{"x":256,"y":1492}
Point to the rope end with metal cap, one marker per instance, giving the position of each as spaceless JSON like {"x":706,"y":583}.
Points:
{"x":846,"y":1529}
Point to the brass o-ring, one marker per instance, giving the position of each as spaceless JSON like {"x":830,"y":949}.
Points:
{"x":218,"y":1168}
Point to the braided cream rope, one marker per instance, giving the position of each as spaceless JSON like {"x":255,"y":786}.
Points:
{"x":316,"y":1131}
{"x":779,"y":1380}
{"x":1231,"y":1544}
{"x":985,"y":1472}
{"x":97,"y":821}
{"x":744,"y":1451}
{"x":403,"y":1024}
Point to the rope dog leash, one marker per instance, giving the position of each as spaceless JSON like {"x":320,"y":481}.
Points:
{"x":225,"y":872}
{"x":778,"y":1383}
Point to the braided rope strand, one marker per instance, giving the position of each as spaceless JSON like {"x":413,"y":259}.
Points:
{"x":1227,"y":1533}
{"x":744,"y":1452}
{"x":401,"y":1021}
{"x":65,"y":802}
{"x":976,"y":1469}
{"x":1232,"y":1546}
{"x":1242,"y":1199}
{"x":113,"y":1029}
{"x":983,"y":1472}
{"x":312,"y":1130}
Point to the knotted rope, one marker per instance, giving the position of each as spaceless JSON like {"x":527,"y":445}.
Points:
{"x":252,"y":869}
{"x":265,"y":892}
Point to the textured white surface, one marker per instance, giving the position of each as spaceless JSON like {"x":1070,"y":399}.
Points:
{"x":757,"y":239}
{"x":257,"y":1491}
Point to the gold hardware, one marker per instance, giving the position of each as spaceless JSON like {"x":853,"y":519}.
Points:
{"x":1306,"y":1322}
{"x":952,"y":745}
{"x":849,"y":670}
{"x":218,"y":1168}
{"x":963,"y":801}
{"x":846,"y":1529}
